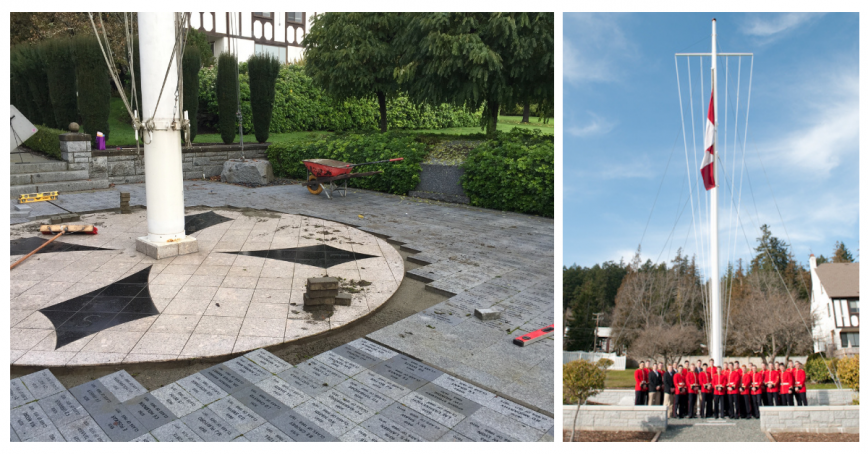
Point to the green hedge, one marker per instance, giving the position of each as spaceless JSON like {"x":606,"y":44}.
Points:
{"x":192,"y":62}
{"x":94,"y":88}
{"x":61,"y":81}
{"x":397,"y":178}
{"x":263,"y":71}
{"x":227,"y":96}
{"x":46,"y":140}
{"x":513,"y":172}
{"x":300,"y":105}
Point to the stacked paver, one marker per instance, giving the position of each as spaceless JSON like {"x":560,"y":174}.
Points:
{"x":360,"y":391}
{"x":323,"y":292}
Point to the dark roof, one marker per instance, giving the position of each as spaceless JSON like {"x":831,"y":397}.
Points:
{"x":841,"y":280}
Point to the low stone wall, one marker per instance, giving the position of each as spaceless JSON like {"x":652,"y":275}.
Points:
{"x":827,"y":419}
{"x":601,"y":417}
{"x":128,"y":166}
{"x":815,"y":397}
{"x":75,"y":150}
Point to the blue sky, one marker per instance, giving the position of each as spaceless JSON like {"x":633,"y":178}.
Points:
{"x":622,"y":123}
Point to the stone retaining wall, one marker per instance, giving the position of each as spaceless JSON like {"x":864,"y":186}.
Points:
{"x":75,"y":150}
{"x":827,"y":419}
{"x":602,"y":417}
{"x":128,"y":166}
{"x":815,"y":397}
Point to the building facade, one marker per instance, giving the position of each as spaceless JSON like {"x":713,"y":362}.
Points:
{"x":244,"y":34}
{"x":835,"y":300}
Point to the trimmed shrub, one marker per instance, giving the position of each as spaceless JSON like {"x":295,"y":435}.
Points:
{"x":513,"y":172}
{"x":300,"y":105}
{"x":848,"y":372}
{"x":19,"y":86}
{"x":227,"y":96}
{"x":397,"y":178}
{"x":191,"y":64}
{"x":263,"y":71}
{"x":46,"y":140}
{"x":61,"y":81}
{"x":94,"y":88}
{"x":37,"y":81}
{"x":815,"y":369}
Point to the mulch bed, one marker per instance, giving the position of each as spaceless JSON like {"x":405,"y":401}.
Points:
{"x":809,"y":437}
{"x":603,"y":435}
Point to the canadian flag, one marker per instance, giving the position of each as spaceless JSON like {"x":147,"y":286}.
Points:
{"x":707,"y":168}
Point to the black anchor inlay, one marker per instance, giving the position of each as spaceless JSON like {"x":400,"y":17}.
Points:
{"x":321,"y":255}
{"x":23,"y":246}
{"x":196,"y":222}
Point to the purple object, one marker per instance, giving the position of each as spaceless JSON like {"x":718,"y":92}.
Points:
{"x":100,"y":143}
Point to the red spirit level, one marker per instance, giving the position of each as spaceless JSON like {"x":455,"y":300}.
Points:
{"x":529,"y":338}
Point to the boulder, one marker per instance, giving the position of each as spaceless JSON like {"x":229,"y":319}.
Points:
{"x":250,"y":171}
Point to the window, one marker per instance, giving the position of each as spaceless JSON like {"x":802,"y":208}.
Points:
{"x":849,"y":340}
{"x":829,"y":309}
{"x":277,"y":52}
{"x":294,"y":17}
{"x":854,"y":306}
{"x":265,"y":15}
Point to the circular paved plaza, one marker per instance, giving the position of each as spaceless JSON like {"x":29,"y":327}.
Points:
{"x":93,"y":300}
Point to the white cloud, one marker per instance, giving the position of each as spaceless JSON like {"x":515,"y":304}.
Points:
{"x":597,"y":126}
{"x":593,"y":46}
{"x":768,"y":26}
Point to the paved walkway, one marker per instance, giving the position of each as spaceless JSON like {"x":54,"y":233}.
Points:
{"x":713,"y":430}
{"x":357,"y":392}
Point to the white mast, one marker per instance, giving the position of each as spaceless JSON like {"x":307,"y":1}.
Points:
{"x":716,"y":349}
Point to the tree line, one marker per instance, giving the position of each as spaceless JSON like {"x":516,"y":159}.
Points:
{"x":660,"y":309}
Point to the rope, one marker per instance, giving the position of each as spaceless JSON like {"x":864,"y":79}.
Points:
{"x":238,"y":115}
{"x":112,"y":69}
{"x":658,"y":189}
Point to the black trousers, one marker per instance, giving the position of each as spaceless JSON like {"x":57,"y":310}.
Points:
{"x":641,"y":398}
{"x":788,"y":399}
{"x":746,"y":406}
{"x":733,"y":405}
{"x":774,"y":399}
{"x":765,"y":397}
{"x":757,"y":400}
{"x":718,"y":405}
{"x":691,"y":404}
{"x":706,"y":407}
{"x":682,"y":405}
{"x":802,"y":399}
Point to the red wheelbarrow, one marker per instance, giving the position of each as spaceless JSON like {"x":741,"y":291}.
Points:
{"x":327,"y":171}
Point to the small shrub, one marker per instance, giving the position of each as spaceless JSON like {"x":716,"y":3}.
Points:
{"x":816,"y":370}
{"x":191,"y":66}
{"x":94,"y":88}
{"x":848,"y":372}
{"x":263,"y":71}
{"x":46,"y":140}
{"x":605,"y":363}
{"x":513,"y":172}
{"x":397,"y":178}
{"x":227,"y":96}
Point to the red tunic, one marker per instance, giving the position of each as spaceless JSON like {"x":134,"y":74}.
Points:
{"x":680,"y":384}
{"x":746,"y":380}
{"x":719,"y":385}
{"x":756,"y":383}
{"x":713,"y":370}
{"x":705,"y":382}
{"x":799,"y":379}
{"x":733,"y":382}
{"x":786,"y":381}
{"x":641,"y":377}
{"x":692,"y":380}
{"x":773,"y":378}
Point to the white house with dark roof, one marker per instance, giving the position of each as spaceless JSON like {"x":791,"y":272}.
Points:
{"x":275,"y":33}
{"x":835,"y":300}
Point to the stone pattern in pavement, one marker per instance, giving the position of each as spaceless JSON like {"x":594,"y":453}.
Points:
{"x":713,"y":430}
{"x":209,"y":303}
{"x":360,"y":391}
{"x":483,"y":257}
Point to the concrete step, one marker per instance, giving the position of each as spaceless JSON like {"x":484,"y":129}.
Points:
{"x":36,"y":167}
{"x":48,"y":177}
{"x":61,"y":186}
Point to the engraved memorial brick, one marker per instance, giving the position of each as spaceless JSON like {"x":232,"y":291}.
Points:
{"x":42,"y":384}
{"x":62,"y":408}
{"x":203,"y":389}
{"x":150,"y":411}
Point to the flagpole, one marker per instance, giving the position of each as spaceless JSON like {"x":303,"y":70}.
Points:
{"x":716,"y":341}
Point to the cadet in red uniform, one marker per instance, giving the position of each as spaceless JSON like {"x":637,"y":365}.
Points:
{"x":786,"y":386}
{"x":719,"y":385}
{"x":711,"y":369}
{"x":724,"y":373}
{"x":764,"y":376}
{"x":692,"y":380}
{"x":773,"y":380}
{"x":746,"y":379}
{"x":680,"y":392}
{"x":732,"y":391}
{"x":756,"y":390}
{"x":706,"y":407}
{"x":800,"y":384}
{"x":641,"y":377}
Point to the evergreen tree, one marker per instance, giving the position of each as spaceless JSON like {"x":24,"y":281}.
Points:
{"x":354,"y":55}
{"x":842,"y":254}
{"x":263,"y":70}
{"x":20,"y":87}
{"x":227,"y":96}
{"x":61,"y":81}
{"x":37,"y":80}
{"x":821,"y":260}
{"x":191,"y":65}
{"x":477,"y":59}
{"x":772,"y":253}
{"x":94,"y":86}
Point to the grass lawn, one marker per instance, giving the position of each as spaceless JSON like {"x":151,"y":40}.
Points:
{"x":624,"y":379}
{"x":122,"y":134}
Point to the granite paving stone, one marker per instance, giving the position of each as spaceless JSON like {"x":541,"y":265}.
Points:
{"x":241,"y":417}
{"x":83,"y":430}
{"x":345,"y":406}
{"x":247,"y":369}
{"x":266,"y":433}
{"x":122,"y":385}
{"x":42,"y":383}
{"x":268,"y":361}
{"x":150,"y":411}
{"x":261,"y":402}
{"x":206,"y":424}
{"x":364,"y":394}
{"x":62,"y":408}
{"x":203,"y":389}
{"x":176,"y":399}
{"x":29,"y":421}
{"x":300,"y":428}
{"x":358,"y":434}
{"x":389,"y":430}
{"x":118,"y":423}
{"x":325,"y":417}
{"x":20,"y":395}
{"x":414,"y":421}
{"x":175,"y":431}
{"x":283,"y":391}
